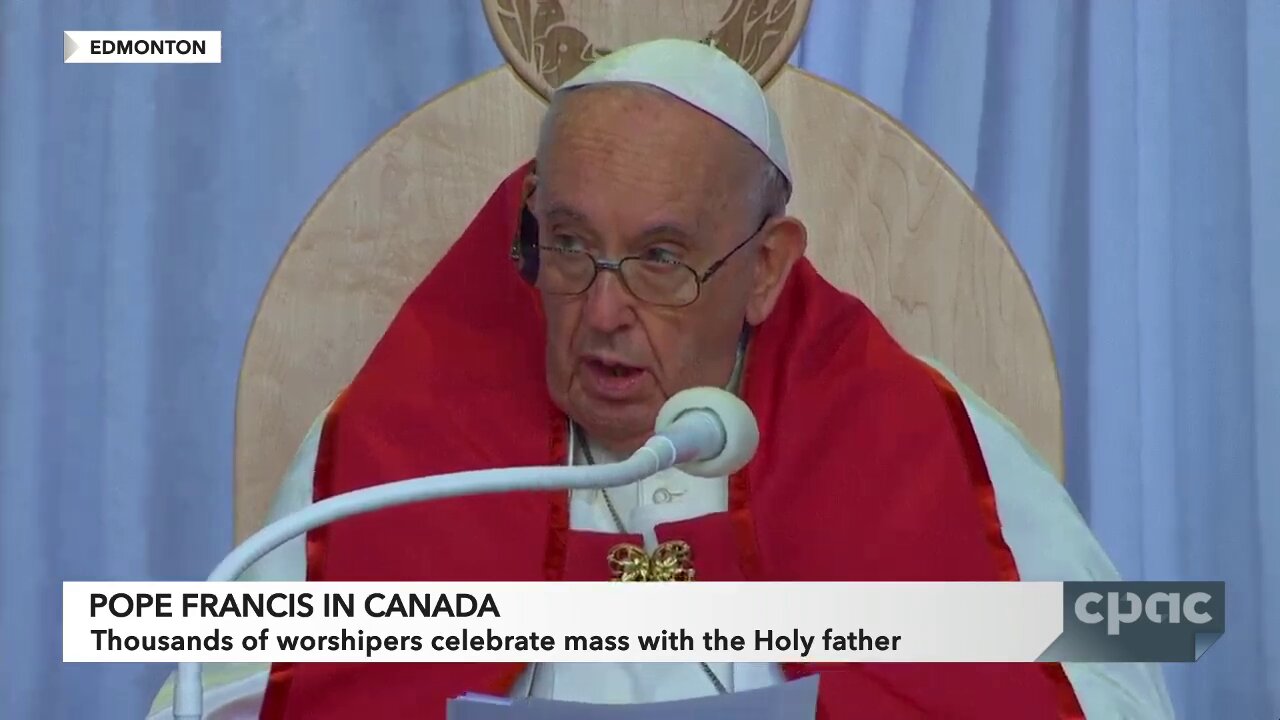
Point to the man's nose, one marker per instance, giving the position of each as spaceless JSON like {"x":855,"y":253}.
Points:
{"x":610,"y":306}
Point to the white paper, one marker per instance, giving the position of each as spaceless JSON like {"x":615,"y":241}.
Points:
{"x":794,"y":700}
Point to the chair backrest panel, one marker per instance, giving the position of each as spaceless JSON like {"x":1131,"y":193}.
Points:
{"x":890,"y":223}
{"x":377,"y":231}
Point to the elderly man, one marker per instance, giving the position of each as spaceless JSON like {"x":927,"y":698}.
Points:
{"x":654,"y":253}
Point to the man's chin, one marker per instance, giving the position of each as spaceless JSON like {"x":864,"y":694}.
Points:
{"x":620,"y":427}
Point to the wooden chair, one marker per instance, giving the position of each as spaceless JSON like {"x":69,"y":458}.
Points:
{"x":888,"y":221}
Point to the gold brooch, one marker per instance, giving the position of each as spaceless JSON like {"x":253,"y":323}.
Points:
{"x":670,"y":561}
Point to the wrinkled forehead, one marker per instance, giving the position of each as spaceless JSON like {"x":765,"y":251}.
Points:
{"x":644,"y":149}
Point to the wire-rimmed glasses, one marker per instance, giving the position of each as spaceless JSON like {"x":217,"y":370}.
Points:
{"x":665,"y":283}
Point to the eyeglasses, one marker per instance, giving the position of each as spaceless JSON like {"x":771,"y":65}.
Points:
{"x":665,"y":283}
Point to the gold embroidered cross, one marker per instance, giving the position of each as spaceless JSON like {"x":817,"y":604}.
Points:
{"x":670,"y":561}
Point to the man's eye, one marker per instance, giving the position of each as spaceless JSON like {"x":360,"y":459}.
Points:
{"x":566,"y":242}
{"x":661,"y":254}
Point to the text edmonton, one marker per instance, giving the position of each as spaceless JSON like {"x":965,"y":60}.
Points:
{"x":147,"y":47}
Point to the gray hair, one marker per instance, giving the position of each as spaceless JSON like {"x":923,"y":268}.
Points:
{"x":770,"y":192}
{"x":773,"y":191}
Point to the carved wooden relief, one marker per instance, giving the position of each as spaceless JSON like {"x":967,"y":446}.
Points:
{"x":550,"y":41}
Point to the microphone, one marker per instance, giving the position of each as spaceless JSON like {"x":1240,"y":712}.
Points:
{"x":711,"y":432}
{"x":704,"y":431}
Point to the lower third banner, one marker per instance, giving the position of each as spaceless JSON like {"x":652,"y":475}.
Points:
{"x":637,"y":622}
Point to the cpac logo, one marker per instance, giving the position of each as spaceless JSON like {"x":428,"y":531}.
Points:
{"x":1139,"y":621}
{"x":1125,"y":608}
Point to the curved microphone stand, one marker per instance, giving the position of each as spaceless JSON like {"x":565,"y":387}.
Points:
{"x":711,"y":430}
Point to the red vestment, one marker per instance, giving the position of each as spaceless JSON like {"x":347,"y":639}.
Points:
{"x":868,"y":470}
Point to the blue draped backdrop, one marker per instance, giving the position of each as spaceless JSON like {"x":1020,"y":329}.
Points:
{"x":1130,"y":149}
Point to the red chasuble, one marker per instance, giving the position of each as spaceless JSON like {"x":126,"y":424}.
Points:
{"x":868,"y":470}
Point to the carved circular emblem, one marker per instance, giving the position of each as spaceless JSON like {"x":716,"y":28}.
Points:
{"x":549,"y":41}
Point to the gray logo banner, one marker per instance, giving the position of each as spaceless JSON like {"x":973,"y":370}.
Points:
{"x":1138,"y":621}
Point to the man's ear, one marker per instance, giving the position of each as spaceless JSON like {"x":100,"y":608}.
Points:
{"x":782,"y":243}
{"x":529,"y":186}
{"x":524,"y":247}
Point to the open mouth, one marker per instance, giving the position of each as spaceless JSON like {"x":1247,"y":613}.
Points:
{"x":612,"y":381}
{"x":613,"y":370}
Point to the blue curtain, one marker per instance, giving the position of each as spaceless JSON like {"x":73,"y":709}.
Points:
{"x":1130,"y":150}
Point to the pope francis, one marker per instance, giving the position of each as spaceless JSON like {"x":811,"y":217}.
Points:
{"x":647,"y":249}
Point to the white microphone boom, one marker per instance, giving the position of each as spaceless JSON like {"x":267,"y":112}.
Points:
{"x":704,"y":431}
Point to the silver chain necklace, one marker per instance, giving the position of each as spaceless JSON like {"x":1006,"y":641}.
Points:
{"x":622,"y":528}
